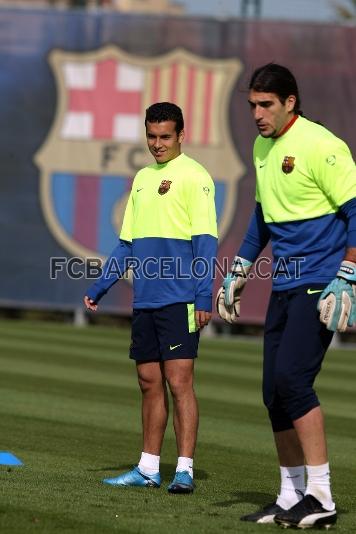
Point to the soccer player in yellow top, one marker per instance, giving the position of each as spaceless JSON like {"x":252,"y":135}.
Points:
{"x":169,"y":239}
{"x":306,"y":207}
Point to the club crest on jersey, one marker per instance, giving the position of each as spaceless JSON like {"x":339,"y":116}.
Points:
{"x":164,"y":187}
{"x":288,"y":164}
{"x":97,"y":141}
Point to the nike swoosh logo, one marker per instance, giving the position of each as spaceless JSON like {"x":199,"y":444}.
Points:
{"x":262,"y":165}
{"x":172,"y":347}
{"x":137,"y":190}
{"x":312,"y":291}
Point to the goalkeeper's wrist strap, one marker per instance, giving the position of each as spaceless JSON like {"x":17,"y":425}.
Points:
{"x":240,"y":266}
{"x":347,"y":270}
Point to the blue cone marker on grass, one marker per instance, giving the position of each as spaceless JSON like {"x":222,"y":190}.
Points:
{"x":7,"y":458}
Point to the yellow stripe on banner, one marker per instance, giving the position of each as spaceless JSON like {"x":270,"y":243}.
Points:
{"x":218,"y":82}
{"x":182,"y":86}
{"x":198,"y":106}
{"x":192,"y":327}
{"x":164,"y":86}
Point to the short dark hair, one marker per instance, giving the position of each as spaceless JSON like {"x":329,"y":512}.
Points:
{"x":273,"y":78}
{"x":165,"y":111}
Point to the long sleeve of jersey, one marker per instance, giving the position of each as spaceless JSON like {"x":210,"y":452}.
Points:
{"x":336,"y":175}
{"x":256,"y":237}
{"x":349,"y":211}
{"x":118,"y":262}
{"x":334,"y":171}
{"x":204,"y":252}
{"x":202,"y":214}
{"x":114,"y":269}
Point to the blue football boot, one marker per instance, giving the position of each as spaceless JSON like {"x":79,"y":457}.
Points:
{"x":182,"y":483}
{"x":135,"y":478}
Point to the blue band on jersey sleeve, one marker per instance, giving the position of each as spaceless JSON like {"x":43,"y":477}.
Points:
{"x":203,"y":303}
{"x":349,"y":210}
{"x":115,"y":267}
{"x":257,"y":236}
{"x":204,"y":251}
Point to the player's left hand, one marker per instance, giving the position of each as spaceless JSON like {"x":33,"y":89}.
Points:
{"x":337,"y":303}
{"x":202,"y":318}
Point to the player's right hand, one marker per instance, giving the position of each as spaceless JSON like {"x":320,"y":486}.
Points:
{"x":229,"y":295}
{"x":228,"y":313}
{"x":90,"y":304}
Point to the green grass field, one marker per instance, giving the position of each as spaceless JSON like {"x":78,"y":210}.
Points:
{"x":70,"y":409}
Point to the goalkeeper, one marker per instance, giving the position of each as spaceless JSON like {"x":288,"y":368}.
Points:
{"x":306,"y":207}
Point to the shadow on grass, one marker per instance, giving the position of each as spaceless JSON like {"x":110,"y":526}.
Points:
{"x":167,"y":470}
{"x":250,"y":497}
{"x":257,"y":498}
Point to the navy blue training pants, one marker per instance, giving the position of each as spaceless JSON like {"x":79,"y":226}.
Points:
{"x":295,"y":343}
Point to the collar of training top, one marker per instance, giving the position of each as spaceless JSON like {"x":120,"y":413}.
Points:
{"x":287,"y":126}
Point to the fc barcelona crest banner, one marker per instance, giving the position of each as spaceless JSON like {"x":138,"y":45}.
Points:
{"x":74,"y":88}
{"x":97,"y":140}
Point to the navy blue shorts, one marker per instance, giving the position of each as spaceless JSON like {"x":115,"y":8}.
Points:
{"x":167,"y":333}
{"x":295,"y":343}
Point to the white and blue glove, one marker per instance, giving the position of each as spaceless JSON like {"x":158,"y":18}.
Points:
{"x":337,"y":303}
{"x":229,"y":295}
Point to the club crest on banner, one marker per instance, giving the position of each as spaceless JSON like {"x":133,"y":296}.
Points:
{"x":97,"y":141}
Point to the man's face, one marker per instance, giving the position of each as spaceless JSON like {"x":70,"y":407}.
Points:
{"x":270,"y":115}
{"x":163,"y":140}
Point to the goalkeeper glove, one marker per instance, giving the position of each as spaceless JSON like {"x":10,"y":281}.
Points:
{"x":228,"y":297}
{"x":337,"y":303}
